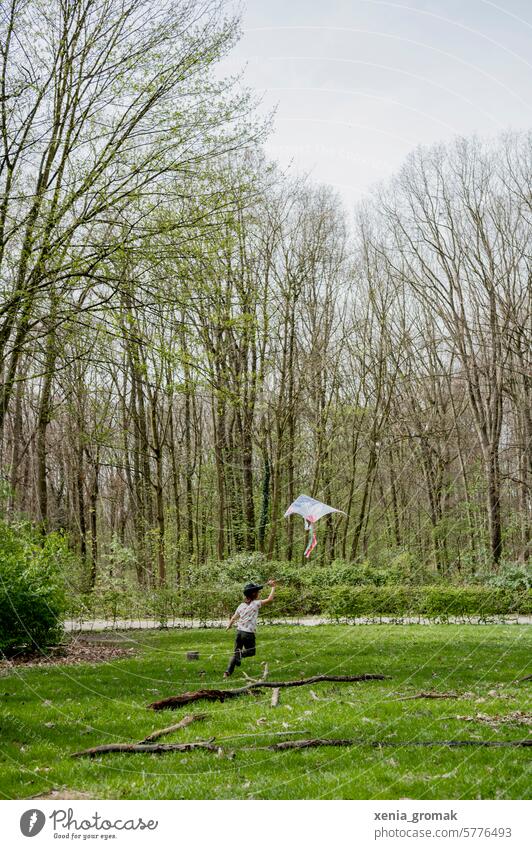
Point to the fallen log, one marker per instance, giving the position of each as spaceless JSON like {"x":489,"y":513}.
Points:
{"x":198,"y":695}
{"x":146,"y":748}
{"x":173,"y":702}
{"x":187,"y":720}
{"x":377,"y":744}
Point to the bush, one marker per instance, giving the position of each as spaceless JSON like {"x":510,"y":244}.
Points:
{"x":338,"y":572}
{"x":208,"y":601}
{"x":32,"y":598}
{"x":425,"y":601}
{"x":163,"y":605}
{"x":512,"y":576}
{"x":370,"y":601}
{"x":245,"y":566}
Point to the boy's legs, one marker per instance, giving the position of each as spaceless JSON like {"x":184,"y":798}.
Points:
{"x":237,"y":654}
{"x":244,"y":647}
{"x":248,"y":643}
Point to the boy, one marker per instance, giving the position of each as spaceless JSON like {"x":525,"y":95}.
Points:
{"x":247,"y":615}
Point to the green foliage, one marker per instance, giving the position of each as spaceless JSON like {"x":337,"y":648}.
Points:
{"x":395,"y":585}
{"x":440,"y":602}
{"x":163,"y":605}
{"x":118,"y":558}
{"x":209,"y":602}
{"x":32,"y":597}
{"x":512,"y":576}
{"x":242,"y":567}
{"x":345,"y":601}
{"x":113,"y":595}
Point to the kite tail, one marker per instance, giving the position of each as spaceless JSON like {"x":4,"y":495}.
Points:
{"x":312,"y":540}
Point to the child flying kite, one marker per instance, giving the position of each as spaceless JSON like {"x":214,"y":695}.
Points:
{"x":246,"y":616}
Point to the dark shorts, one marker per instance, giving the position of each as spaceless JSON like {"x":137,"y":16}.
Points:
{"x":244,"y":647}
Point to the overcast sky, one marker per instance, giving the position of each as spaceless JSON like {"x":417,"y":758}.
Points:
{"x":359,"y":83}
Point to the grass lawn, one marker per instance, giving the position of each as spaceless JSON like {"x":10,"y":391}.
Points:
{"x":47,"y":713}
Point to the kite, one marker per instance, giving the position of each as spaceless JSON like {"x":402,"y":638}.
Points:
{"x":311,"y":510}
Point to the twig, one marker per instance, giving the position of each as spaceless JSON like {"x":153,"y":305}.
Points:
{"x":187,"y":720}
{"x":257,"y":680}
{"x":264,"y":734}
{"x":275,"y":697}
{"x":428,"y":696}
{"x":143,"y":748}
{"x":173,"y":702}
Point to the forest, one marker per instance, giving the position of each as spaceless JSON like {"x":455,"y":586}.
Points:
{"x":191,"y":337}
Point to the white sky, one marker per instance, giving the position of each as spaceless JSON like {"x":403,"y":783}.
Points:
{"x":359,"y":83}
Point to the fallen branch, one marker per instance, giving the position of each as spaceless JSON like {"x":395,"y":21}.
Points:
{"x":286,"y":745}
{"x":143,"y":748}
{"x":198,"y":695}
{"x":187,"y":720}
{"x":377,"y":744}
{"x":315,"y":679}
{"x":309,"y":744}
{"x":173,"y":702}
{"x":275,"y":697}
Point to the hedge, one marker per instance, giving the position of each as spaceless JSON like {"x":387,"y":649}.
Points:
{"x":217,"y":602}
{"x":426,"y":601}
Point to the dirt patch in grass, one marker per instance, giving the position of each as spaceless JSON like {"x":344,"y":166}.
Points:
{"x":62,"y":793}
{"x":69,"y":654}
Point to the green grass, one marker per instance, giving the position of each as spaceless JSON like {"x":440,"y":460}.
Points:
{"x":48,"y":713}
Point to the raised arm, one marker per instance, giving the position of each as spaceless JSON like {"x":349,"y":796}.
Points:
{"x":271,"y":584}
{"x":232,"y":620}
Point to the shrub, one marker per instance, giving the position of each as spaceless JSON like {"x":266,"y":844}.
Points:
{"x":245,"y":566}
{"x":523,"y":602}
{"x":118,"y":558}
{"x":427,"y":601}
{"x":208,"y":601}
{"x":163,"y":605}
{"x":371,"y":600}
{"x":338,"y":572}
{"x":32,"y":598}
{"x":512,"y":576}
